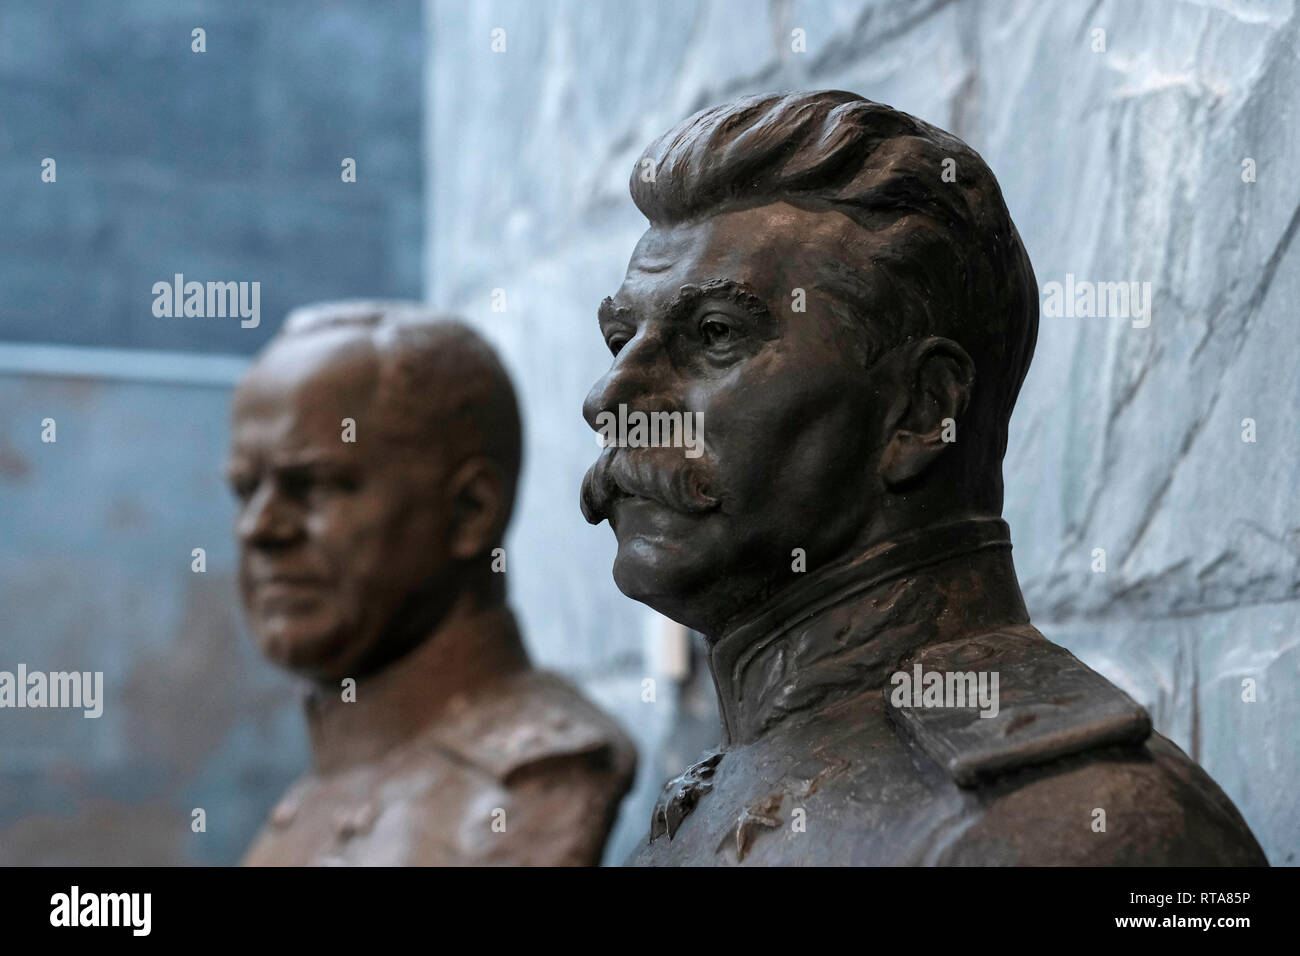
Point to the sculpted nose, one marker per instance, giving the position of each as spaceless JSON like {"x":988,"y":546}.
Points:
{"x":638,"y":371}
{"x":265,"y":520}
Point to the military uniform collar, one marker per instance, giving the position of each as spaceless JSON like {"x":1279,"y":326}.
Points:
{"x":844,"y":629}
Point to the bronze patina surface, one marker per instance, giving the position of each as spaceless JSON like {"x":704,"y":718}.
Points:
{"x":837,"y":288}
{"x":375,"y":452}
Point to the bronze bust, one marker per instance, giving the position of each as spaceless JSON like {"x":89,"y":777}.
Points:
{"x":837,"y":289}
{"x":375,"y":452}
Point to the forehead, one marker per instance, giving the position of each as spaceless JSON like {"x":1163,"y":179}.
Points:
{"x":298,"y":391}
{"x":771,"y":249}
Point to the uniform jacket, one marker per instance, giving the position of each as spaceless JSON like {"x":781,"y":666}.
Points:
{"x":824,"y":761}
{"x":472,"y":764}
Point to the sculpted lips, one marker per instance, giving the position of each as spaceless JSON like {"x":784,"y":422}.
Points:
{"x":278,"y":589}
{"x":662,"y":475}
{"x":282,"y":597}
{"x":259,"y":574}
{"x":287,"y":584}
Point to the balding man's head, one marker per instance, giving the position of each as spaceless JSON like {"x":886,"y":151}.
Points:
{"x":375,"y":453}
{"x":439,"y":384}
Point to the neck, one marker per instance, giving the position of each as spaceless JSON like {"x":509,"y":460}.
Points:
{"x":843,"y":629}
{"x":471,"y":647}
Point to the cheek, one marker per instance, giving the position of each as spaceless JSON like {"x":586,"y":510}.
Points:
{"x":791,"y":448}
{"x":355,"y":538}
{"x":419,"y":540}
{"x":409,"y":527}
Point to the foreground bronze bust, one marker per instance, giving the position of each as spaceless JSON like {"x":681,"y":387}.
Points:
{"x":375,"y":454}
{"x":838,"y":290}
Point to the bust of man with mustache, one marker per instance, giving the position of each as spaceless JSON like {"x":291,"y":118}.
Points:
{"x":854,"y":328}
{"x":375,"y":452}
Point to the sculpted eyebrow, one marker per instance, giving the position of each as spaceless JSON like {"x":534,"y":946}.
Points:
{"x":310,"y":461}
{"x":690,"y":296}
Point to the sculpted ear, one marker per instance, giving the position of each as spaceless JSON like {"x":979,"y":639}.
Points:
{"x":478,"y":506}
{"x":937,"y":376}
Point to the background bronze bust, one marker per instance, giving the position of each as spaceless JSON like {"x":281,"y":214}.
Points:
{"x":837,"y":308}
{"x":372,"y":559}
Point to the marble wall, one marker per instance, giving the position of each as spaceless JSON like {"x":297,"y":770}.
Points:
{"x":1123,"y":157}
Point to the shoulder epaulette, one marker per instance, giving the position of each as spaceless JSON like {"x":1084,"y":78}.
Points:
{"x":528,"y":719}
{"x":1037,"y":703}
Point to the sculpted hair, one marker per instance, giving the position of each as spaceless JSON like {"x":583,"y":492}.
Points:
{"x":441,"y":386}
{"x":948,"y":260}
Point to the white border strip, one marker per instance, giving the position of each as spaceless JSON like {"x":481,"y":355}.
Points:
{"x":125,"y":365}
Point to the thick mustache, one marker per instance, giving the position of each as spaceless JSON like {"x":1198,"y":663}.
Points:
{"x":664,"y":475}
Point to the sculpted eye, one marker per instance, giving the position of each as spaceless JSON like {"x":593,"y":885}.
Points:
{"x":715,"y":330}
{"x":297,"y":483}
{"x":346,"y":481}
{"x":616,"y":343}
{"x":242,"y":486}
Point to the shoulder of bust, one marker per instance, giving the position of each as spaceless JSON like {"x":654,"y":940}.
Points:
{"x":1033,"y":702}
{"x":529,"y":720}
{"x":1143,"y":806}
